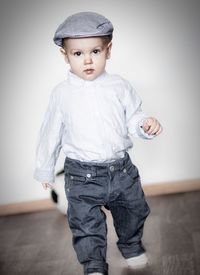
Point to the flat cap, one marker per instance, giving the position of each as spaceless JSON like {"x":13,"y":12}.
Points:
{"x":83,"y":24}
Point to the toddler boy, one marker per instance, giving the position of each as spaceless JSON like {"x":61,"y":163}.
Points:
{"x":90,"y":116}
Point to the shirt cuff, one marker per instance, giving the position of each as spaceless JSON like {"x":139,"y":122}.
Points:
{"x":44,"y":175}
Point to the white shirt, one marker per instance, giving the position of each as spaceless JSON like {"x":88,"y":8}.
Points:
{"x":90,"y":121}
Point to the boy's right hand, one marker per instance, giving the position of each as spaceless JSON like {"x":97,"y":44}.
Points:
{"x":47,"y":185}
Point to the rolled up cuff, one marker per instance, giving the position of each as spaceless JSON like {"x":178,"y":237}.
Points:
{"x":44,"y":175}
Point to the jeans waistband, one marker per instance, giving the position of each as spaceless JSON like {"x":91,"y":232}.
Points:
{"x":95,"y":167}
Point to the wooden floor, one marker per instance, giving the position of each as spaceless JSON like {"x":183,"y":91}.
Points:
{"x":40,"y":243}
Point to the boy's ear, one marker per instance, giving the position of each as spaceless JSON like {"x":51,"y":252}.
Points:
{"x":63,"y":52}
{"x":109,"y":47}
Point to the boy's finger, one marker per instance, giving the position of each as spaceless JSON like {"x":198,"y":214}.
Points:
{"x":150,"y":121}
{"x":159,"y":131}
{"x":146,"y":126}
{"x":49,"y":185}
{"x":155,"y":131}
{"x":44,"y":185}
{"x":152,"y":127}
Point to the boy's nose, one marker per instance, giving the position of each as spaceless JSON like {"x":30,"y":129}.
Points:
{"x":87,"y":59}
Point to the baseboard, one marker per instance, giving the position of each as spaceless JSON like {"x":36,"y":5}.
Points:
{"x":149,"y":190}
{"x":26,"y":207}
{"x":171,"y":187}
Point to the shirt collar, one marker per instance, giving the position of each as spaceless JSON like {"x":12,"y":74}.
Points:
{"x":76,"y":80}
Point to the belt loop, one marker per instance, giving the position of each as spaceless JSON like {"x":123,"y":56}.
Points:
{"x":124,"y":161}
{"x":93,"y":171}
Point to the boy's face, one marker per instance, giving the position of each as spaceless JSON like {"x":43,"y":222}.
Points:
{"x":86,"y":56}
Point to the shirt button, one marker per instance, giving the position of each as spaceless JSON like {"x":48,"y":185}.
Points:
{"x":112,"y":168}
{"x":88,"y":175}
{"x":124,"y":170}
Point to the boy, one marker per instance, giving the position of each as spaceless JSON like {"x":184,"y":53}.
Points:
{"x":91,"y":115}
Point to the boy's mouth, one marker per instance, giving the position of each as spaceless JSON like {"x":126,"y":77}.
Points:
{"x":89,"y":71}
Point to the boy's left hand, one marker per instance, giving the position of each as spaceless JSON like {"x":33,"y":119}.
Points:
{"x":151,"y":126}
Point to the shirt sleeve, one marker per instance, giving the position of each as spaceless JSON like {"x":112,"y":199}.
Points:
{"x":134,"y":114}
{"x":49,"y":142}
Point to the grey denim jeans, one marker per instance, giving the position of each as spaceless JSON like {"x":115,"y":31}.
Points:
{"x":115,"y":185}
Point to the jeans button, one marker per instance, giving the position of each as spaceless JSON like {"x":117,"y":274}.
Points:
{"x":88,"y":175}
{"x":124,"y":170}
{"x":112,"y":168}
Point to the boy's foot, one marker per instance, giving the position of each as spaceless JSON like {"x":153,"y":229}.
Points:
{"x":137,"y":261}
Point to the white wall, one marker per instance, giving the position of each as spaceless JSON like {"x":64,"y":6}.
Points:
{"x":155,"y":46}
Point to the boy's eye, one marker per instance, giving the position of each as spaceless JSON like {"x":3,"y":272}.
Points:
{"x":96,"y":51}
{"x":77,"y":53}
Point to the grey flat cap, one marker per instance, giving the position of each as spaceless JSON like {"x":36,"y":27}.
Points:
{"x":83,"y":24}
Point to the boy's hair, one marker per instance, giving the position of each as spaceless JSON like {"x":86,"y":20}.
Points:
{"x":106,"y":39}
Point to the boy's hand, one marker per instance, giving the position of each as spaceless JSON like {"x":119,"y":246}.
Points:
{"x":151,"y":126}
{"x":47,"y":185}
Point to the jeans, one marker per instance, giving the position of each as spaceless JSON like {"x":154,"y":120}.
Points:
{"x":115,"y":185}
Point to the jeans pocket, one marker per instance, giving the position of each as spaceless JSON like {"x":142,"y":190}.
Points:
{"x":131,"y":171}
{"x":74,"y":175}
{"x":74,"y":179}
